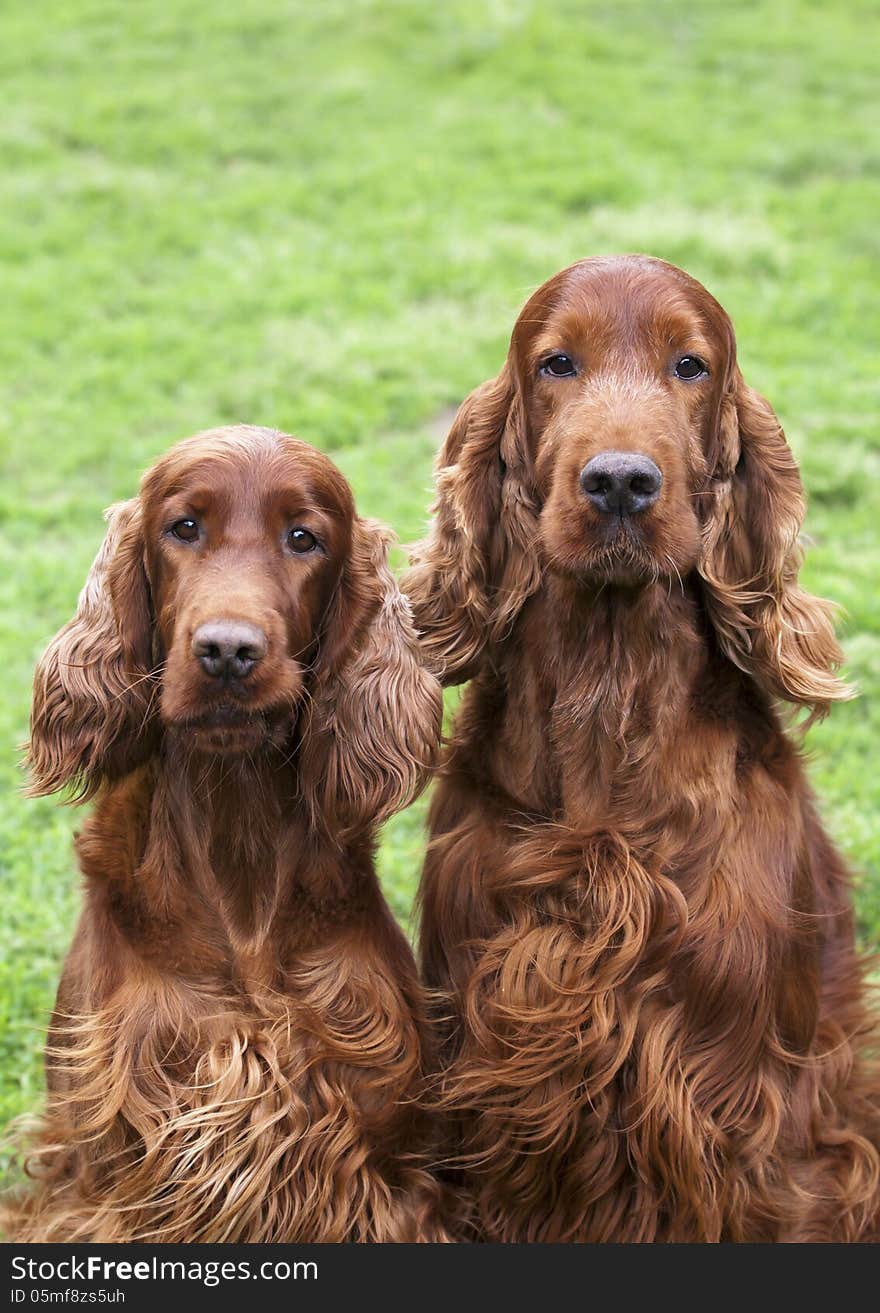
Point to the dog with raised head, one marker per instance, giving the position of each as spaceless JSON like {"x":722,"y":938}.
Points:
{"x":238,"y":1047}
{"x":657,"y":1022}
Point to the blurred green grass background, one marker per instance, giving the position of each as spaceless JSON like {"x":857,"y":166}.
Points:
{"x":326,"y":217}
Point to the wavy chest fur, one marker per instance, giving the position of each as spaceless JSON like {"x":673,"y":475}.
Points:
{"x":211,"y":869}
{"x":602,"y":698}
{"x":641,"y":908}
{"x":236,"y":1050}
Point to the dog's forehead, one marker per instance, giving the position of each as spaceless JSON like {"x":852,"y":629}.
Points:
{"x":621,"y":299}
{"x":247,"y":463}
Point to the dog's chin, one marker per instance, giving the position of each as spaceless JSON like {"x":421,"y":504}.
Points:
{"x":623,"y":562}
{"x":229,"y":730}
{"x":622,"y":555}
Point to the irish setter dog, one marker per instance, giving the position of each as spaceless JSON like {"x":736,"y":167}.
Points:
{"x":642,"y":932}
{"x":237,"y":1050}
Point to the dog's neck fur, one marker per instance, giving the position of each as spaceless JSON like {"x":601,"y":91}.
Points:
{"x":215,"y":855}
{"x":235,"y":850}
{"x":626,"y":656}
{"x":604,"y":681}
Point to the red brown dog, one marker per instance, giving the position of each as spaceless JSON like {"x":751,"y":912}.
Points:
{"x":237,"y":1049}
{"x":644,"y":933}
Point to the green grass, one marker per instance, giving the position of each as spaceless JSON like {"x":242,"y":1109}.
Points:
{"x":325,"y":217}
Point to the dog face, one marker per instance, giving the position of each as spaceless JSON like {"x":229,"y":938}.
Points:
{"x":240,"y":604}
{"x":622,"y":367}
{"x":620,"y":446}
{"x":245,"y":544}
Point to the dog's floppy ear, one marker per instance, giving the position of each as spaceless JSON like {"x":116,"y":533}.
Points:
{"x":470,"y":577}
{"x":765,"y":622}
{"x":92,"y":692}
{"x":373,"y":726}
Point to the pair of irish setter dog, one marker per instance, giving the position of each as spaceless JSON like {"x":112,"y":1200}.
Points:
{"x":641,"y":1014}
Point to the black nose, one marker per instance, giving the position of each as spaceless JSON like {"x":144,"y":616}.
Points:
{"x":228,"y":649}
{"x":621,"y":482}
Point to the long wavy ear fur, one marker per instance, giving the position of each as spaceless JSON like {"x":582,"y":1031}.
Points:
{"x":374,"y":725}
{"x":765,"y":622}
{"x":92,"y":694}
{"x":470,"y":577}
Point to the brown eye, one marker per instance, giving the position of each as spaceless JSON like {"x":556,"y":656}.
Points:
{"x":559,"y":366}
{"x":301,"y":541}
{"x":690,"y":367}
{"x":186,"y":530}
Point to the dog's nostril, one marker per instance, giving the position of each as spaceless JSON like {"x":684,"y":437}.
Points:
{"x":228,"y":649}
{"x":643,"y":483}
{"x":621,"y":482}
{"x":596,"y":482}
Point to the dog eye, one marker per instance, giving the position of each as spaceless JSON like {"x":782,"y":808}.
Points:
{"x":301,"y":541}
{"x":690,"y":367}
{"x":186,"y":530}
{"x":559,"y":366}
